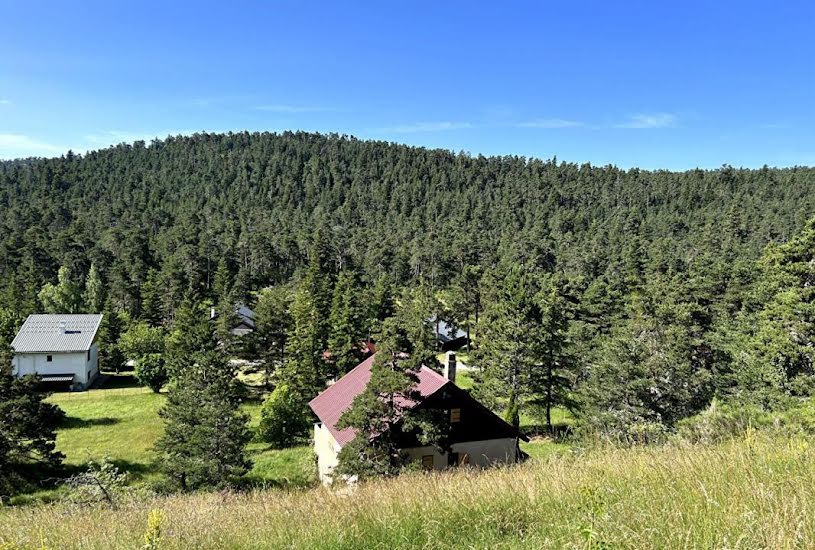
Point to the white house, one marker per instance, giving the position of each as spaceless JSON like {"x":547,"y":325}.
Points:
{"x":60,"y":348}
{"x":478,"y":437}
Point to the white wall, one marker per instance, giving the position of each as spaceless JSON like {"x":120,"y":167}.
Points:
{"x":61,"y":363}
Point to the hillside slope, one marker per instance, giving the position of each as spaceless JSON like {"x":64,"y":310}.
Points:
{"x":753,"y":493}
{"x":252,"y":202}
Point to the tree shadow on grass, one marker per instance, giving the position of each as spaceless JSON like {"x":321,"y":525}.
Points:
{"x":72,"y":422}
{"x":118,"y":381}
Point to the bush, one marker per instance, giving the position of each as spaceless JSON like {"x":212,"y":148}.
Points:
{"x":151,"y":371}
{"x":141,"y":339}
{"x":284,"y":419}
{"x":720,"y":422}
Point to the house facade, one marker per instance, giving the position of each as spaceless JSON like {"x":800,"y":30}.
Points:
{"x":478,"y":437}
{"x":60,"y":348}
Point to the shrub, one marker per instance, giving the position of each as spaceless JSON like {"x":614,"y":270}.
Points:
{"x":720,"y":422}
{"x":283,"y":419}
{"x":151,"y":371}
{"x":141,"y":339}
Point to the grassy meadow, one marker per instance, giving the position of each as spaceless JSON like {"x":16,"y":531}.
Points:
{"x":121,"y":423}
{"x":747,"y":493}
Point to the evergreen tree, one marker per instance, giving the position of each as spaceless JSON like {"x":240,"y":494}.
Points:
{"x":27,"y":426}
{"x":205,"y":434}
{"x":378,"y":413}
{"x":273,"y":323}
{"x":191,"y":335}
{"x":348,"y":323}
{"x":511,"y":342}
{"x":651,"y":372}
{"x":151,"y":306}
{"x":554,"y":379}
{"x":111,"y":357}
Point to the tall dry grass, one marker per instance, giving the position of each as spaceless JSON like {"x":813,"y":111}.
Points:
{"x":753,"y":493}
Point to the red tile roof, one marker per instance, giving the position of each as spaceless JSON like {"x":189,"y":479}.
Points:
{"x":335,"y":400}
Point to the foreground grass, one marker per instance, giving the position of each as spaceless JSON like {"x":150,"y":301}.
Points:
{"x":746,"y":494}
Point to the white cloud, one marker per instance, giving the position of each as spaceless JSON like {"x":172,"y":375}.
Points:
{"x":426,"y":127}
{"x":550,"y":123}
{"x":20,"y":146}
{"x":291,"y":109}
{"x":650,"y":120}
{"x":4,"y":101}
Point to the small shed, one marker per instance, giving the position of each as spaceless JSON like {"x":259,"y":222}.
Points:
{"x":60,"y":348}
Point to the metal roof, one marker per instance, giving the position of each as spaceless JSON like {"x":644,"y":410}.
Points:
{"x":57,"y":333}
{"x":334,"y":401}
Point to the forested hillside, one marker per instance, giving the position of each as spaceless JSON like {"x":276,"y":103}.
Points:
{"x":634,"y":299}
{"x":169,"y":212}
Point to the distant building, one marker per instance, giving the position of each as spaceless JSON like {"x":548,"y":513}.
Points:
{"x":448,"y":338}
{"x":479,"y":437}
{"x":60,"y":348}
{"x":244,"y":320}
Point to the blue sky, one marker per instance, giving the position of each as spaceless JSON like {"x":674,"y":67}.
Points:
{"x":651,"y":84}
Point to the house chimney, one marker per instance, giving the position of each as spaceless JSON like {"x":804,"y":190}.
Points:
{"x":450,"y":367}
{"x":63,"y":327}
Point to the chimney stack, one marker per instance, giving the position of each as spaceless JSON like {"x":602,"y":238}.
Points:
{"x":63,"y":327}
{"x":450,"y":367}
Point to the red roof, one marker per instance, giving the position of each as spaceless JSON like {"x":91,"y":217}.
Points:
{"x":335,"y":400}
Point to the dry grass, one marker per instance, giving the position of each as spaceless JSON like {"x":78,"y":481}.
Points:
{"x":747,"y":494}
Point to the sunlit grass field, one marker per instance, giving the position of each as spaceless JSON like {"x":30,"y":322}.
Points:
{"x":122,"y":425}
{"x":749,"y":493}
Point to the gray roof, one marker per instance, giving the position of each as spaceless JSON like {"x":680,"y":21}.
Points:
{"x":44,"y":333}
{"x":446,"y":333}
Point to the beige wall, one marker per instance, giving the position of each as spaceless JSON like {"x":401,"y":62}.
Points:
{"x":327,"y":450}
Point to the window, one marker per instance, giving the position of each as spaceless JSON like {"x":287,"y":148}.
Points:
{"x":455,"y":416}
{"x":427,"y":462}
{"x":49,"y":358}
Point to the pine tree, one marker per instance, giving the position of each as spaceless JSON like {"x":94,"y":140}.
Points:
{"x":347,"y":322}
{"x":111,"y":357}
{"x":306,"y":370}
{"x":27,"y":426}
{"x":273,"y":323}
{"x":379,"y":410}
{"x":191,"y":335}
{"x":151,"y":308}
{"x":205,"y":436}
{"x":511,"y":342}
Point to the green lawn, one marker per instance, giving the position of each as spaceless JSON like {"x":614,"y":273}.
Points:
{"x":122,"y":424}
